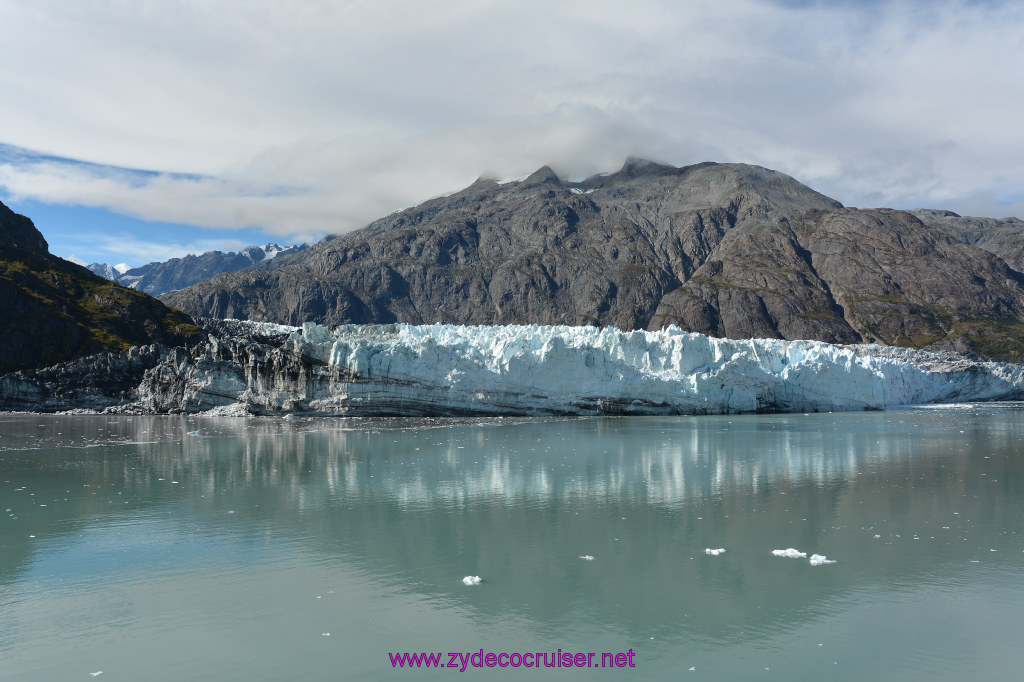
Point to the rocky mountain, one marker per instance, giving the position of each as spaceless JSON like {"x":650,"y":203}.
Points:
{"x":52,"y":310}
{"x":177,"y":273}
{"x":1002,"y":236}
{"x":107,"y":271}
{"x":730,"y":250}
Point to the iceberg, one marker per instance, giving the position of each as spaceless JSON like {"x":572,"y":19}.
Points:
{"x":790,"y":553}
{"x":471,"y":580}
{"x":820,"y":560}
{"x":714,"y":552}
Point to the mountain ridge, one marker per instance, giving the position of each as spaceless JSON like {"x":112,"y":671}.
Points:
{"x":176,"y":273}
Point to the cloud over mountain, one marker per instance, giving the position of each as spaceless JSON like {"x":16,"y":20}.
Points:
{"x":322,"y":117}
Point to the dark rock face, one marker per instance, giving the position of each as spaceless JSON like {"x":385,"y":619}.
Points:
{"x":178,"y":273}
{"x":723,"y":249}
{"x":53,"y":311}
{"x":95,"y":382}
{"x":600,"y":252}
{"x":844,"y":276}
{"x":18,"y":232}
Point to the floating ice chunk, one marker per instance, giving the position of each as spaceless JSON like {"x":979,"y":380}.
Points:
{"x":289,"y":417}
{"x":96,"y":674}
{"x":193,"y":433}
{"x":820,"y":560}
{"x":789,"y":553}
{"x":715,"y":552}
{"x":587,"y":557}
{"x":471,"y":580}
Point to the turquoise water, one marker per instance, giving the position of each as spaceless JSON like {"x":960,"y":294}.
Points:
{"x":266,"y":549}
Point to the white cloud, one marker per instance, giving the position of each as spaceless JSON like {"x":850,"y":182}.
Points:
{"x":319,"y":117}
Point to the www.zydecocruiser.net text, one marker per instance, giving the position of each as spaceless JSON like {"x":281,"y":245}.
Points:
{"x":461,"y":660}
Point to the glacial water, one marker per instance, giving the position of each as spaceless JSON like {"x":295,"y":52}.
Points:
{"x":169,"y":548}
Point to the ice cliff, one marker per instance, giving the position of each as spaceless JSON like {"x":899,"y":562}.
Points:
{"x":403,"y":369}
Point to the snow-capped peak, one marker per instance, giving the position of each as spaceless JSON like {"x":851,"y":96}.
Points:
{"x":265,"y":252}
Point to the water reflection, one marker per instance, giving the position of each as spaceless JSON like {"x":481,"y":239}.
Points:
{"x":904,"y":500}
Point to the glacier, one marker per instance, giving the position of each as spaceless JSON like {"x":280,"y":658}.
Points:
{"x":523,"y":370}
{"x":449,"y":370}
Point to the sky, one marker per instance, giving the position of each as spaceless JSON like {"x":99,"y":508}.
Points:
{"x":137,"y":131}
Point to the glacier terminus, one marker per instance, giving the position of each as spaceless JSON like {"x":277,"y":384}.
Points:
{"x":525,"y":370}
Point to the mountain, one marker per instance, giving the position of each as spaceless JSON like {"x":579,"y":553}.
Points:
{"x":52,"y":310}
{"x":730,"y":250}
{"x":1001,"y":236}
{"x":177,"y":273}
{"x":108,"y":271}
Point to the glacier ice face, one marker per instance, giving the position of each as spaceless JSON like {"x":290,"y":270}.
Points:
{"x":532,"y":369}
{"x":447,"y":370}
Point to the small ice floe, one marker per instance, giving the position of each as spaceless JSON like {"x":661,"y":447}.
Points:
{"x":325,"y":634}
{"x":289,"y":417}
{"x":194,"y":433}
{"x":789,"y":553}
{"x":820,"y":560}
{"x":714,"y":552}
{"x":96,"y":674}
{"x":586,"y":557}
{"x":471,"y":580}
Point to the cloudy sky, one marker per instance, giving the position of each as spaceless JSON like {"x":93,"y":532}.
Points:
{"x":141,"y":130}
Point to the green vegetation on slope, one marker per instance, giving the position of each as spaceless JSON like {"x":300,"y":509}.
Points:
{"x":54,"y":311}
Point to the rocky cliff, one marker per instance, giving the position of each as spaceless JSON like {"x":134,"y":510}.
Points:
{"x":728,"y":250}
{"x":52,"y":310}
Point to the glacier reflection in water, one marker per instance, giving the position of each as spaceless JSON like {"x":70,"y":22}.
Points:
{"x":263,"y":548}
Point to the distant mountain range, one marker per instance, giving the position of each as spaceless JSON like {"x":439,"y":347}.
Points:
{"x":177,"y":273}
{"x":729,"y":250}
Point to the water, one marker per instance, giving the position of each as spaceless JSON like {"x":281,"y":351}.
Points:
{"x":308,"y":550}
